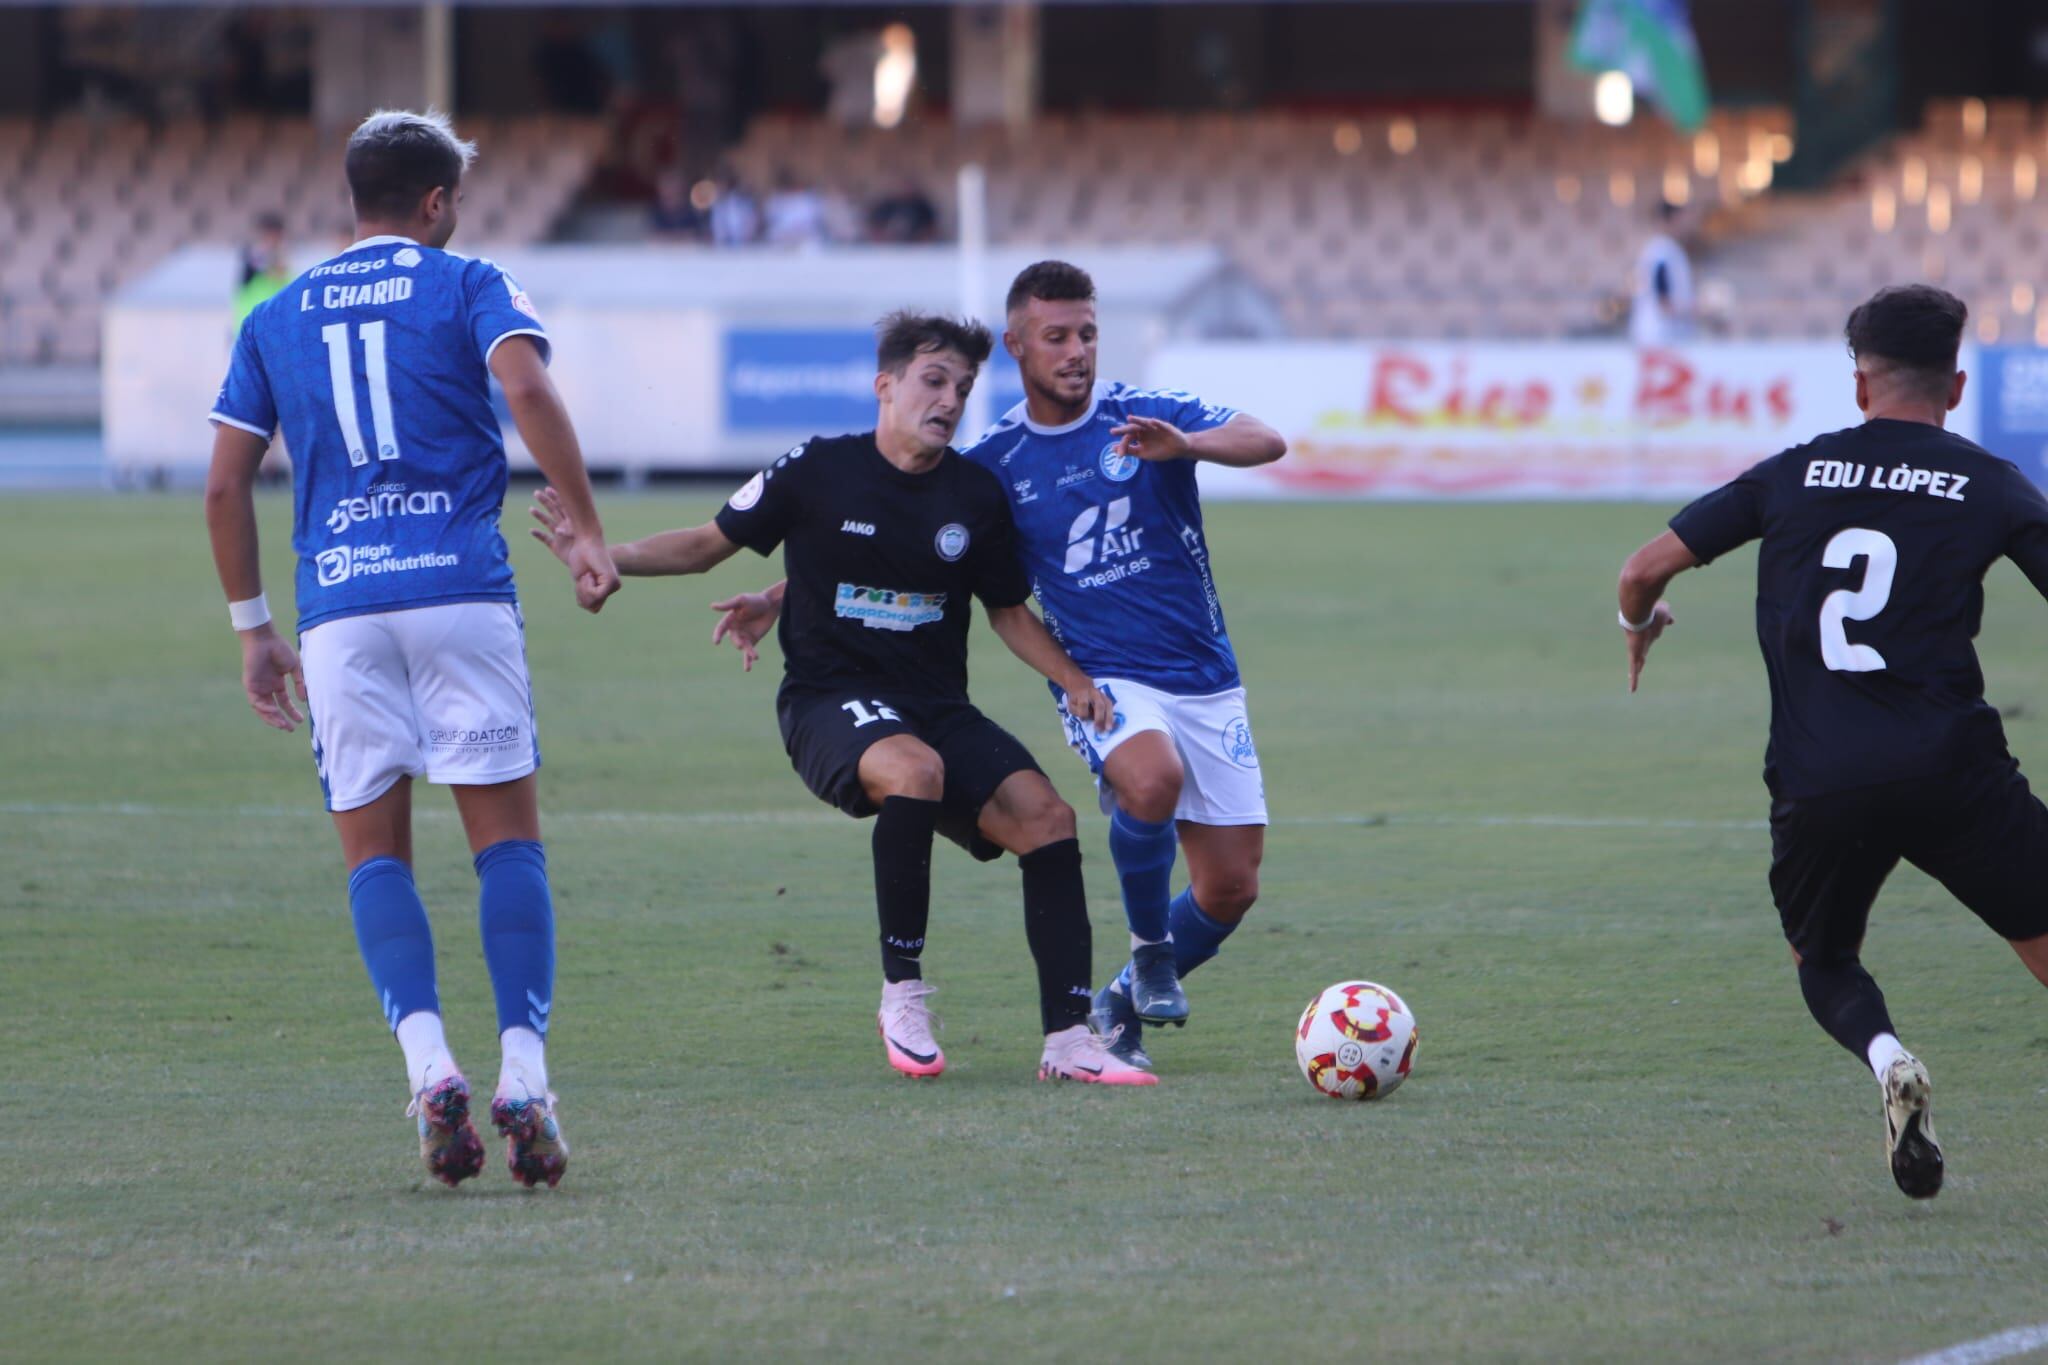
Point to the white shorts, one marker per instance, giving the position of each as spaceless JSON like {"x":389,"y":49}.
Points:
{"x":435,"y":692}
{"x":1221,"y":783}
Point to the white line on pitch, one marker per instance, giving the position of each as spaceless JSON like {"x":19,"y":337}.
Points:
{"x":824,"y":817}
{"x":1984,"y":1350}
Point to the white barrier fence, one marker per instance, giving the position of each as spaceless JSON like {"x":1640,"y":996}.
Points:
{"x":678,"y":360}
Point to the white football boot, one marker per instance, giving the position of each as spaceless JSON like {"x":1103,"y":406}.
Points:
{"x":1909,"y":1141}
{"x":1081,"y":1054}
{"x":905,"y":1021}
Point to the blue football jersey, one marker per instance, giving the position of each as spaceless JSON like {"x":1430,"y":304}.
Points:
{"x":375,"y":365}
{"x":1113,"y":544}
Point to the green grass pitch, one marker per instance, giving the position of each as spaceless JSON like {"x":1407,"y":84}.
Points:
{"x":1624,"y":1138}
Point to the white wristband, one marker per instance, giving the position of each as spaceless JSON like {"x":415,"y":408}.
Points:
{"x":249,"y":614}
{"x":1636,"y":627}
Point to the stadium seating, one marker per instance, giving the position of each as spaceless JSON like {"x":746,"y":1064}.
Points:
{"x":1953,"y":202}
{"x":1436,"y":225}
{"x":87,"y":204}
{"x":1494,"y":225}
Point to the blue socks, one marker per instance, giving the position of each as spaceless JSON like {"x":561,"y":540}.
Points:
{"x":516,"y":914}
{"x":391,"y":930}
{"x":517,"y":917}
{"x":1143,"y":853}
{"x":1196,"y":938}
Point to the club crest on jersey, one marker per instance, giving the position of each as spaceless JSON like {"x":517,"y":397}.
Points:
{"x":519,"y":299}
{"x":951,"y":541}
{"x":1237,"y":743}
{"x":1117,"y":467}
{"x":407,"y":256}
{"x":749,"y":494}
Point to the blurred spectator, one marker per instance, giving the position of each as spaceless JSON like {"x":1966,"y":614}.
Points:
{"x":905,"y":214}
{"x":264,"y":269}
{"x":871,"y":75}
{"x":842,"y":216}
{"x":848,"y":66}
{"x":795,"y":214}
{"x":674,"y":215}
{"x":1663,"y":310}
{"x":735,"y":217}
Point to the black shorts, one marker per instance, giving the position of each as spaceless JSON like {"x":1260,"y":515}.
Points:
{"x":1979,"y":832}
{"x":827,"y":732}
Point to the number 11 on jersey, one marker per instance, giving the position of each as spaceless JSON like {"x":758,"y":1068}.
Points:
{"x":341,"y":373}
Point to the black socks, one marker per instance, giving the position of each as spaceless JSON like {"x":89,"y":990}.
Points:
{"x":1056,"y":926}
{"x":903,"y":882}
{"x":1847,"y":1003}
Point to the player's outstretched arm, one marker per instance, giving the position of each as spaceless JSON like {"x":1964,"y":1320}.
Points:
{"x":1241,"y":442}
{"x":1644,"y":613}
{"x":267,"y":660}
{"x":544,"y":425}
{"x":1020,"y":629}
{"x":671,"y":552}
{"x":746,"y":620}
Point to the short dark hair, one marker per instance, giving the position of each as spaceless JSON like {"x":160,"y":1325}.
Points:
{"x":903,"y":336}
{"x":1053,"y":281}
{"x":1915,"y":327}
{"x":396,"y":157}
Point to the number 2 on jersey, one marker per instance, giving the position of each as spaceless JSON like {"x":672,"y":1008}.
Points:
{"x":1861,"y":605}
{"x":341,"y":374}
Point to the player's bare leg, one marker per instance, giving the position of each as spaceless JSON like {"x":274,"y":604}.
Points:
{"x":902,"y":765}
{"x":1145,"y":775}
{"x":1027,"y":817}
{"x":2034,"y":952}
{"x":504,"y":810}
{"x":398,"y":950}
{"x":1223,"y":867}
{"x":382,"y":829}
{"x":517,"y":923}
{"x":904,"y":778}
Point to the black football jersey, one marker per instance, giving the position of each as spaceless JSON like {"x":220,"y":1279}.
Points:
{"x":882,"y":564}
{"x":1870,"y":591}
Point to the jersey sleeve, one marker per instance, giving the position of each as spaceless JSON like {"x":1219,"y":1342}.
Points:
{"x":1184,"y":410}
{"x":245,"y":400}
{"x":759,"y":515}
{"x":2026,"y":537}
{"x":1730,"y":516}
{"x":499,"y":308}
{"x":997,"y":572}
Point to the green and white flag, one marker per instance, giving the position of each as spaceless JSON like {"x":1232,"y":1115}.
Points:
{"x":1652,"y":41}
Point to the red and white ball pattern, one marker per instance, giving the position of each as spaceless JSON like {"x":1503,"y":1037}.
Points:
{"x":1356,"y":1041}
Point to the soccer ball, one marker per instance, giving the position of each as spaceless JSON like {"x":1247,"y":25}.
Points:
{"x":1356,"y":1041}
